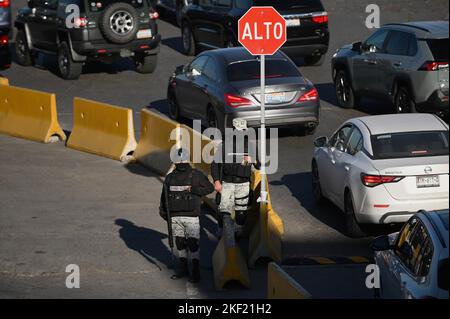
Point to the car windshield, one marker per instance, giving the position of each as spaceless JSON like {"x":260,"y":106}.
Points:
{"x":408,"y":145}
{"x":298,"y":5}
{"x":250,"y":70}
{"x":439,"y":48}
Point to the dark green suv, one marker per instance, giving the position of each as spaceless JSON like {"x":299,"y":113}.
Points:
{"x":78,"y":31}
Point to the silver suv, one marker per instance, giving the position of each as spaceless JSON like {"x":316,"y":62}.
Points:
{"x":405,"y":63}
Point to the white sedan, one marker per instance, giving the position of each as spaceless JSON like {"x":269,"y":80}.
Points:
{"x":382,"y":169}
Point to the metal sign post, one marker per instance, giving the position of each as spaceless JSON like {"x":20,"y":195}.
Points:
{"x":263,"y":198}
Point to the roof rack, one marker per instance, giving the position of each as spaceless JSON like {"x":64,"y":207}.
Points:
{"x":408,"y":25}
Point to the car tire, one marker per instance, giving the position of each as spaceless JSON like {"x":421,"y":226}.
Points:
{"x":353,"y":229}
{"x":179,"y":13}
{"x":174,"y":107}
{"x":314,"y":60}
{"x":23,"y":53}
{"x":112,"y":25}
{"x":316,"y":187}
{"x":189,"y":45}
{"x":404,"y":102}
{"x":345,"y":94}
{"x":213,"y":121}
{"x":146,"y":64}
{"x":68,"y":69}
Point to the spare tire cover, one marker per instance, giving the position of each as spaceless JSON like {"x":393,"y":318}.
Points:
{"x":120,"y":22}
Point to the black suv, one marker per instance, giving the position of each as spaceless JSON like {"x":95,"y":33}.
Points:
{"x":5,"y":30}
{"x":103,"y":30}
{"x":213,"y":24}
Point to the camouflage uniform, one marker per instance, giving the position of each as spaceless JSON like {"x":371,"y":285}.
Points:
{"x":186,"y":227}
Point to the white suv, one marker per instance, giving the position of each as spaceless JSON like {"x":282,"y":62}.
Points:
{"x":383,"y":169}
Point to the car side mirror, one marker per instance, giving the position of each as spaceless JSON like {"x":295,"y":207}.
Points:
{"x":321,"y":141}
{"x":179,"y":69}
{"x":357,"y":46}
{"x":381,"y":243}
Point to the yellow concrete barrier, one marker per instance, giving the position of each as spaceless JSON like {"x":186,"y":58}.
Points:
{"x":283,"y":286}
{"x":229,"y":263}
{"x":102,"y":129}
{"x":158,"y":135}
{"x":4,"y":81}
{"x":266,"y":235}
{"x":29,"y":114}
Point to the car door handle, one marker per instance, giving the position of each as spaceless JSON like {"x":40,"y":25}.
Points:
{"x":372,"y":62}
{"x":398,"y":64}
{"x":347,"y":168}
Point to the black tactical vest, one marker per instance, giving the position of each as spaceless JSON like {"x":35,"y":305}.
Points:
{"x":179,"y":197}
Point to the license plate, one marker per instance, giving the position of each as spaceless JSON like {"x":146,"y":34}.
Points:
{"x":292,"y":23}
{"x":428,"y":181}
{"x":144,"y":34}
{"x":276,"y":98}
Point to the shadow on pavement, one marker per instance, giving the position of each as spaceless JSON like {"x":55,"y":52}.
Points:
{"x":174,"y":43}
{"x":300,"y":186}
{"x":147,"y":242}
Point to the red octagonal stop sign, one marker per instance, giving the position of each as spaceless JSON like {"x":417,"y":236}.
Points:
{"x":262,"y":31}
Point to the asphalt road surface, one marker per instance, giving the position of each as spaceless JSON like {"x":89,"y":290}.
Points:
{"x":310,"y":230}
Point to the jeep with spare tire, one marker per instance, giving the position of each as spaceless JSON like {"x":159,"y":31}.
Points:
{"x":80,"y":31}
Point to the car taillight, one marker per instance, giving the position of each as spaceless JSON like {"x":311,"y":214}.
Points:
{"x":5,"y":3}
{"x":237,"y":101}
{"x":320,"y":18}
{"x":81,"y":22}
{"x":154,"y":15}
{"x":4,"y":40}
{"x":433,"y":66}
{"x":375,"y":180}
{"x":311,"y":95}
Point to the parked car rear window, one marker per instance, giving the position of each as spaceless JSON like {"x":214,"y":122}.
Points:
{"x":407,"y":145}
{"x":94,"y":7}
{"x":301,"y":6}
{"x":250,"y":70}
{"x":439,"y":48}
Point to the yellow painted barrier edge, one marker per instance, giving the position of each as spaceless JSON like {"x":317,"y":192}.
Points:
{"x":229,"y":265}
{"x":153,"y":149}
{"x":282,"y":286}
{"x":266,"y":235}
{"x":4,"y":81}
{"x":90,"y":135}
{"x":31,"y":132}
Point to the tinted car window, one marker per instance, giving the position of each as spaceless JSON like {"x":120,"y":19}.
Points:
{"x":244,"y":4}
{"x":198,"y":64}
{"x":298,"y":6}
{"x":251,"y":70}
{"x":355,"y":143}
{"x":94,"y":7}
{"x":206,"y":3}
{"x":414,"y":144}
{"x":223,"y":3}
{"x":439,"y":48}
{"x":340,"y":138}
{"x":399,"y":42}
{"x":377,"y":40}
{"x":210,"y":70}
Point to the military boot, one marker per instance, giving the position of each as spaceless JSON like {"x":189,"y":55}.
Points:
{"x":183,"y":269}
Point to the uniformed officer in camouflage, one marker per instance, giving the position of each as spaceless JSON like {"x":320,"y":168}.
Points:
{"x":232,"y":179}
{"x":185,"y":187}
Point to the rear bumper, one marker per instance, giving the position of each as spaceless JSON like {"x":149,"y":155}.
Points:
{"x":5,"y":57}
{"x":302,"y":48}
{"x":290,"y":116}
{"x":398,"y":211}
{"x":147,"y":46}
{"x":436,"y":103}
